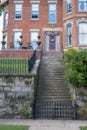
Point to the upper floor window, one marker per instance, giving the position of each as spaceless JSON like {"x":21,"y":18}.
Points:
{"x":35,"y":11}
{"x":82,"y":33}
{"x":68,"y":34}
{"x":17,"y":35}
{"x":18,"y":11}
{"x":68,"y":6}
{"x":34,"y":35}
{"x":6,"y":19}
{"x":52,"y":12}
{"x":82,"y":5}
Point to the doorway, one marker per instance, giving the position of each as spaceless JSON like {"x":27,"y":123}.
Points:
{"x":52,"y":42}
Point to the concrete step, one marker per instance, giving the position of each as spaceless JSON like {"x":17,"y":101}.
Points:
{"x":57,"y":90}
{"x":53,"y":94}
{"x":52,"y":85}
{"x":53,"y":99}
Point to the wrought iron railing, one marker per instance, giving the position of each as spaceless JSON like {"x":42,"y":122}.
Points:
{"x":13,"y":66}
{"x":31,"y":61}
{"x":54,"y":110}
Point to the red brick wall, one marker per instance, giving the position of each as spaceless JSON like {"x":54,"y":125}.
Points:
{"x":19,"y":54}
{"x":62,"y":19}
{"x":73,"y":18}
{"x":26,"y":23}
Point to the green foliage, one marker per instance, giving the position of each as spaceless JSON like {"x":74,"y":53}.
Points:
{"x":75,"y":63}
{"x":83,"y":128}
{"x":13,"y":127}
{"x":26,"y":112}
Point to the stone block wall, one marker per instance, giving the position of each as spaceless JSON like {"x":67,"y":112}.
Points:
{"x":81,"y":100}
{"x":16,"y":96}
{"x":79,"y":95}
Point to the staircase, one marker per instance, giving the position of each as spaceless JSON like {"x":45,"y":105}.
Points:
{"x":53,"y":98}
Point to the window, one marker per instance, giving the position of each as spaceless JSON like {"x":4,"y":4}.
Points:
{"x":34,"y":35}
{"x":16,"y":39}
{"x":5,"y":39}
{"x":68,"y":6}
{"x":82,"y":5}
{"x":6,"y":19}
{"x":18,"y":11}
{"x":68,"y":35}
{"x":83,"y":33}
{"x":52,"y":12}
{"x":35,"y":11}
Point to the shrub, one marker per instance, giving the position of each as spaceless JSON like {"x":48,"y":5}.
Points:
{"x":75,"y":63}
{"x":26,"y":112}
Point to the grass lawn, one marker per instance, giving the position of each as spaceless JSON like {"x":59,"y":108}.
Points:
{"x":13,"y":127}
{"x":83,"y":128}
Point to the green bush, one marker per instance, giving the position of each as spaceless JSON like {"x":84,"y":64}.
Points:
{"x":75,"y":63}
{"x":26,"y":112}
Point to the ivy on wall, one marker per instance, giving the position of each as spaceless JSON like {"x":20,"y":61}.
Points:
{"x":75,"y":63}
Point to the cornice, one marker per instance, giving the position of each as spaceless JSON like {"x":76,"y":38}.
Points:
{"x":74,"y":16}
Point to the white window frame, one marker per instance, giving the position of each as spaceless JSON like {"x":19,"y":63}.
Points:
{"x":82,"y":33}
{"x":5,"y":39}
{"x":16,"y":10}
{"x":34,"y":11}
{"x":84,"y":4}
{"x":52,"y":12}
{"x":5,"y":19}
{"x":34,"y":41}
{"x":16,"y":44}
{"x":67,"y":7}
{"x":68,"y":27}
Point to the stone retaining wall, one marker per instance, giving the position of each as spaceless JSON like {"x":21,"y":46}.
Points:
{"x":16,"y":96}
{"x":79,"y":95}
{"x":81,"y":100}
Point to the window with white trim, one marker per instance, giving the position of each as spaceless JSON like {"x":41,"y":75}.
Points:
{"x":34,"y":35}
{"x":17,"y":35}
{"x":82,"y":33}
{"x":82,"y":5}
{"x":6,"y":19}
{"x":68,"y":6}
{"x":18,"y":11}
{"x":69,"y":34}
{"x":52,"y":13}
{"x":35,"y":11}
{"x":5,"y":39}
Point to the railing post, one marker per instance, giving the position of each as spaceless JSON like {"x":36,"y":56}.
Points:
{"x":33,"y":109}
{"x":41,"y":55}
{"x":74,"y":111}
{"x":31,"y":61}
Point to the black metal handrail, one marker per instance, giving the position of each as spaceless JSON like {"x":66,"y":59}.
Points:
{"x":31,"y":61}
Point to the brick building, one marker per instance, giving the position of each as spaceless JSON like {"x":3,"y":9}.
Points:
{"x":60,"y":23}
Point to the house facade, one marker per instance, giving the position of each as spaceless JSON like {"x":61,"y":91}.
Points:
{"x":59,"y":23}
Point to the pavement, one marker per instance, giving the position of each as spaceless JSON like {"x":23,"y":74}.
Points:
{"x":47,"y":124}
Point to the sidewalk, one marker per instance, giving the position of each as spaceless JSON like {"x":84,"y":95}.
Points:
{"x":46,"y":124}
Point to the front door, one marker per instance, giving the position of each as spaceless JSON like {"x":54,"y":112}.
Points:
{"x":52,"y":42}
